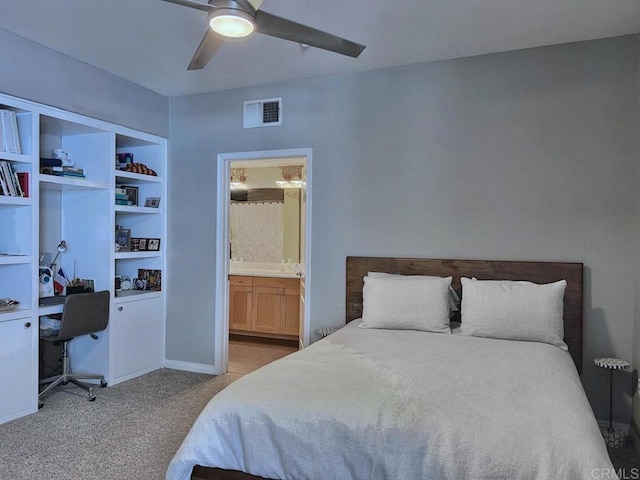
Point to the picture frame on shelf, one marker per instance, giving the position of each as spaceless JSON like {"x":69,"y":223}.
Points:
{"x":153,"y":279}
{"x":123,"y":159}
{"x":132,"y":193}
{"x":152,"y":202}
{"x":123,"y":239}
{"x":142,"y":245}
{"x":135,"y":244}
{"x":153,"y":244}
{"x":127,"y":195}
{"x":139,"y":284}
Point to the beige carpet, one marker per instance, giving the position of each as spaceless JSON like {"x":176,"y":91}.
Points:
{"x":131,"y":431}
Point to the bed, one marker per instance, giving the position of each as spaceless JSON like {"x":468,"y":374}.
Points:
{"x":387,"y":403}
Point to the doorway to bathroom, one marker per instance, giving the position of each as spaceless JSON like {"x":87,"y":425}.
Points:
{"x":263,"y":257}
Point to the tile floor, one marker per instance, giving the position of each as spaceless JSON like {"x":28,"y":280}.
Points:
{"x":247,"y":354}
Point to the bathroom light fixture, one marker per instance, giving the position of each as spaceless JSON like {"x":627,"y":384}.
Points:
{"x":231,"y":22}
{"x":291,"y":177}
{"x":238,"y":178}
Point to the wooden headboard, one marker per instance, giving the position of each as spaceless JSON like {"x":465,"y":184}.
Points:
{"x":537,"y":272}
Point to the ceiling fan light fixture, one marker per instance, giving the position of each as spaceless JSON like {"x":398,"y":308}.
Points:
{"x":231,"y":22}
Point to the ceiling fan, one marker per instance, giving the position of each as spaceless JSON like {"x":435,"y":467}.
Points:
{"x":233,"y":19}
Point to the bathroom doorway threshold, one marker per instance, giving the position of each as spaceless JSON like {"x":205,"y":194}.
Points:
{"x":223,"y":248}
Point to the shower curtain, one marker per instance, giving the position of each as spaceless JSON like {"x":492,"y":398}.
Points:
{"x":257,"y":231}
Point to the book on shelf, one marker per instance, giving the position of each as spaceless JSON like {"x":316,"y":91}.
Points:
{"x":4,"y":189}
{"x":56,"y":162}
{"x":9,"y":182}
{"x":57,"y":173}
{"x":23,"y":180}
{"x":9,"y":136}
{"x":56,"y":170}
{"x":68,"y":174}
{"x":17,"y":184}
{"x":14,"y":131}
{"x":68,"y":169}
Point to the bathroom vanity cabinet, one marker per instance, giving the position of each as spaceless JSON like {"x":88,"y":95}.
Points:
{"x":264,"y":306}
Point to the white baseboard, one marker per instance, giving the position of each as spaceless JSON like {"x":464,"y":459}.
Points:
{"x":191,"y":367}
{"x":624,"y":427}
{"x":124,"y":378}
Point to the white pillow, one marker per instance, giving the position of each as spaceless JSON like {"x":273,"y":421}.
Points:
{"x":454,"y":299}
{"x":514,"y":310}
{"x":406,"y":303}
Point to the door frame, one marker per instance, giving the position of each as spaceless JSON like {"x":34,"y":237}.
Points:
{"x":221,"y":325}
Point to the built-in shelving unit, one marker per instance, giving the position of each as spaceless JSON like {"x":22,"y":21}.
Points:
{"x":83,"y":212}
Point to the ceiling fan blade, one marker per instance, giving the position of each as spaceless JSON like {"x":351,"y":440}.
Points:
{"x":191,"y":4}
{"x":273,"y":26}
{"x":207,"y":49}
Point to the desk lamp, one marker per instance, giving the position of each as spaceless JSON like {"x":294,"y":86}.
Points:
{"x":62,"y":247}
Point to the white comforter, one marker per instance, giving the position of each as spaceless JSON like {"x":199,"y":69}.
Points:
{"x":405,"y":405}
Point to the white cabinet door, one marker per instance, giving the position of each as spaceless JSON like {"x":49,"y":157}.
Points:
{"x":17,"y":369}
{"x":137,"y":338}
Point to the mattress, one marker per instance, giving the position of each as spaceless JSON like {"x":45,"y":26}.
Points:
{"x":396,"y":404}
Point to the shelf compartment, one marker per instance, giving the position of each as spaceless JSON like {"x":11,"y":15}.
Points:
{"x":15,"y":157}
{"x":14,"y":259}
{"x":21,"y":312}
{"x":132,"y":255}
{"x":61,"y":127}
{"x":124,"y":177}
{"x":124,"y":209}
{"x":131,"y":295}
{"x":51,"y":182}
{"x":14,"y":201}
{"x":50,"y":310}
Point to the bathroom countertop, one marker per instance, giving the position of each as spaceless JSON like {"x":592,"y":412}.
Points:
{"x":259,"y":269}
{"x":247,"y":272}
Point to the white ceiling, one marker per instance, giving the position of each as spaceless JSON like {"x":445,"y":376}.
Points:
{"x":151,"y":42}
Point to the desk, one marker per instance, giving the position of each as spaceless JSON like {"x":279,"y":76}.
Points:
{"x":51,"y":305}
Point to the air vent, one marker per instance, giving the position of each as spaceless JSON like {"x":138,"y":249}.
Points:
{"x":263,"y":113}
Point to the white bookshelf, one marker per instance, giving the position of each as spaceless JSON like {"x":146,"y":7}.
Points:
{"x":81,"y":211}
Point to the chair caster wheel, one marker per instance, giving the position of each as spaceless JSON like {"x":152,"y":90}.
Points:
{"x":40,"y":404}
{"x":92,"y":398}
{"x":103,"y":383}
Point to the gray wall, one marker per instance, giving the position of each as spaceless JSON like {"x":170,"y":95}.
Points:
{"x":45,"y":76}
{"x":526,"y":155}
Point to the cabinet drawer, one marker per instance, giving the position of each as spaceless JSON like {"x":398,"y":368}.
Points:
{"x":240,"y":280}
{"x":274,"y":282}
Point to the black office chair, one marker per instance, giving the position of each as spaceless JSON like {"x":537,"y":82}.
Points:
{"x":83,"y":314}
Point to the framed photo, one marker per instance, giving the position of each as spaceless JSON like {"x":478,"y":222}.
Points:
{"x":132,"y":193}
{"x":153,"y":202}
{"x":123,"y":238}
{"x":153,"y":244}
{"x":142,"y":244}
{"x":135,"y":244}
{"x":153,"y":279}
{"x":139,"y":284}
{"x":126,"y":195}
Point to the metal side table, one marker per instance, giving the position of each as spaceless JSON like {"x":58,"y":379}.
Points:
{"x":613,"y":438}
